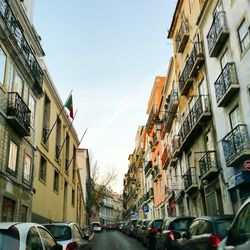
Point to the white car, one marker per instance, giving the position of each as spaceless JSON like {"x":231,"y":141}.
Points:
{"x":26,"y":236}
{"x":69,"y":235}
{"x":238,"y":236}
{"x":96,"y":226}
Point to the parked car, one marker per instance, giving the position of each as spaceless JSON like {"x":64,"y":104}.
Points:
{"x":96,"y":226}
{"x":26,"y":236}
{"x":135,"y":231}
{"x":171,"y":230}
{"x":206,"y":232}
{"x":69,"y":235}
{"x":142,"y":228}
{"x":238,"y":235}
{"x":131,"y":226}
{"x":150,"y":233}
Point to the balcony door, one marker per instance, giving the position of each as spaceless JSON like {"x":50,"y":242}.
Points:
{"x":234,"y":117}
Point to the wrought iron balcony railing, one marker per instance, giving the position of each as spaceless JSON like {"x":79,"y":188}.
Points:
{"x":208,"y":165}
{"x":18,"y":114}
{"x":196,"y":58}
{"x":199,"y":112}
{"x":217,"y":34}
{"x":155,"y":142}
{"x":148,"y":168}
{"x":190,"y":179}
{"x":156,"y":172}
{"x":185,"y":81}
{"x":236,"y":144}
{"x":151,"y":119}
{"x":22,"y":44}
{"x":151,"y":193}
{"x":171,"y":110}
{"x":226,"y":84}
{"x":182,"y":37}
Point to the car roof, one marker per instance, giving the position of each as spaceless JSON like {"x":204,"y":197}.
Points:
{"x":216,"y":217}
{"x":7,"y":225}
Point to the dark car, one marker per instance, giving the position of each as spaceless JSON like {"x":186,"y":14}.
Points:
{"x":142,"y":228}
{"x":131,"y":227}
{"x":148,"y":238}
{"x":171,"y":230}
{"x":238,"y":236}
{"x":206,"y":232}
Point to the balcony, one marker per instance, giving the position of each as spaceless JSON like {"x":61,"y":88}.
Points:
{"x":182,"y":37}
{"x":196,"y":59}
{"x":226,"y":85}
{"x":190,"y":180}
{"x":164,"y":158}
{"x":172,"y":106}
{"x":236,"y":145}
{"x":156,"y":173}
{"x":25,"y":51}
{"x":151,"y":119}
{"x":217,"y":34}
{"x":176,"y":143}
{"x":208,"y":166}
{"x":185,"y":81}
{"x":151,"y":193}
{"x":148,"y":168}
{"x":18,"y":114}
{"x":154,"y":142}
{"x":198,"y":115}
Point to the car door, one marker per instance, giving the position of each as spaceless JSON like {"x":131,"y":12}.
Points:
{"x":239,"y":234}
{"x":48,"y":241}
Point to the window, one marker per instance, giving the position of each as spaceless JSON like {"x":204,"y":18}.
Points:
{"x":43,"y":169}
{"x":56,"y":181}
{"x":32,"y":107}
{"x":234,"y":117}
{"x":47,"y":239}
{"x":12,"y":164}
{"x":240,"y":233}
{"x":243,"y":35}
{"x":27,"y":167}
{"x":46,"y":119}
{"x":58,"y":138}
{"x":10,"y":74}
{"x":23,"y":213}
{"x":18,"y":84}
{"x":2,"y":65}
{"x":74,"y":164}
{"x":224,"y":59}
{"x":8,"y":209}
{"x":33,"y":240}
{"x":73,"y":198}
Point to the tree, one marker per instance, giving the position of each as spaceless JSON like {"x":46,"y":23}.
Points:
{"x":100,"y":183}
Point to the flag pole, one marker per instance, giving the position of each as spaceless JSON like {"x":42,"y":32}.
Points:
{"x":67,"y":167}
{"x":70,"y":127}
{"x":47,"y":137}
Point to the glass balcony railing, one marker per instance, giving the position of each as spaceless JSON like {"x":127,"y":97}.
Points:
{"x":226,"y":84}
{"x":236,"y":144}
{"x":18,"y":114}
{"x":25,"y":51}
{"x":217,"y":34}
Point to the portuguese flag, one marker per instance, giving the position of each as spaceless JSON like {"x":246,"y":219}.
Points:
{"x":69,"y":106}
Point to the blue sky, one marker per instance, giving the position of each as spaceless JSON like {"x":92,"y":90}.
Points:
{"x":109,"y":53}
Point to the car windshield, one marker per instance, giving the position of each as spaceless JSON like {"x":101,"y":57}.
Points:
{"x":60,"y":232}
{"x":96,"y":224}
{"x":9,"y":239}
{"x":181,"y":225}
{"x":157,"y":223}
{"x":222,"y":226}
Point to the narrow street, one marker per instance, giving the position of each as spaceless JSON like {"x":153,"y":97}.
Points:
{"x":114,"y":240}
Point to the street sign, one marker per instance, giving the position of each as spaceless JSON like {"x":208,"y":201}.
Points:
{"x":246,"y":166}
{"x":145,"y":208}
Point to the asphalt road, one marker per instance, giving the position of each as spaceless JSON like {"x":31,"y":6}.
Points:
{"x":114,"y":240}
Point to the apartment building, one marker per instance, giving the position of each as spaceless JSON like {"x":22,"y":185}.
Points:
{"x":225,"y":31}
{"x":21,"y":87}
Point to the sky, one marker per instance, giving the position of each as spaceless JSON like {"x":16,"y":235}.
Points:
{"x":109,"y":53}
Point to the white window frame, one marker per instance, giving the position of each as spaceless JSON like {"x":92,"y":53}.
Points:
{"x":244,"y":37}
{"x":13,"y":155}
{"x":3,"y":59}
